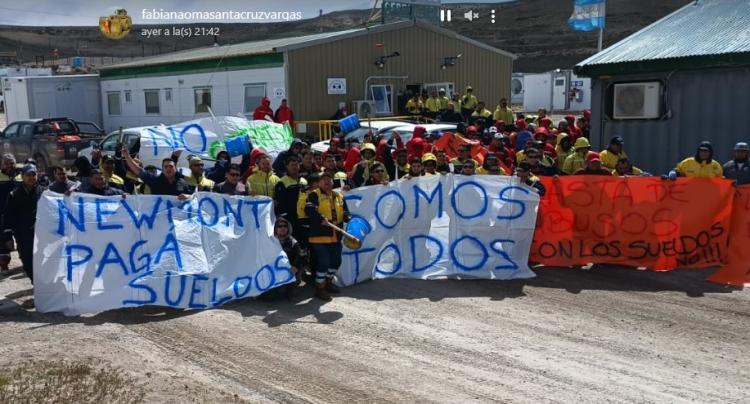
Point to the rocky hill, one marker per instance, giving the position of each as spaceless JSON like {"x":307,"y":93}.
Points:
{"x":535,"y":30}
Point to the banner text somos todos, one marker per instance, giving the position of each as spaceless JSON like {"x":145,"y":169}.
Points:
{"x":443,"y":226}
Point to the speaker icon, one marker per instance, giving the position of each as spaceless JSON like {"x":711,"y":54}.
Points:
{"x":471,"y":15}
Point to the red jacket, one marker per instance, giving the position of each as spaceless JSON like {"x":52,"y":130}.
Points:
{"x":284,"y":114}
{"x":263,"y":110}
{"x":353,"y":156}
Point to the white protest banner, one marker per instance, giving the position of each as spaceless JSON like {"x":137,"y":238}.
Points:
{"x":96,"y":253}
{"x":205,"y":137}
{"x":445,"y":226}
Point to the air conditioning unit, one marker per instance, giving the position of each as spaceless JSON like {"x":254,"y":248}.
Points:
{"x":637,"y":100}
{"x":516,"y":89}
{"x":363,"y":108}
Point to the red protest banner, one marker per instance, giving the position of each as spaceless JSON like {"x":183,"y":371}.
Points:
{"x":737,"y":270}
{"x":450,"y":142}
{"x":633,"y":221}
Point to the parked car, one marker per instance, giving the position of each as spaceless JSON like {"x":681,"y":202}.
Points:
{"x":108,"y":144}
{"x":377,"y":127}
{"x":50,"y":141}
{"x":431,"y":129}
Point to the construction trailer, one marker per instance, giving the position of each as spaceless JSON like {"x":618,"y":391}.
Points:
{"x":558,"y":90}
{"x":75,"y":97}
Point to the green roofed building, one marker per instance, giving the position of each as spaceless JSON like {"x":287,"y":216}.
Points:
{"x":681,"y":80}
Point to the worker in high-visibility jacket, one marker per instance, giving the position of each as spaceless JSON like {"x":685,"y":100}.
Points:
{"x":577,"y":160}
{"x":613,"y":153}
{"x":443,"y":99}
{"x":414,"y":105}
{"x":468,"y":103}
{"x":325,"y":206}
{"x":262,"y":181}
{"x":503,"y":112}
{"x":702,"y":165}
{"x":432,"y":106}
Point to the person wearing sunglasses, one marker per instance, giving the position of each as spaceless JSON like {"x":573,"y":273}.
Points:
{"x":491,"y":166}
{"x":468,"y":168}
{"x":464,"y":155}
{"x":533,"y":156}
{"x":196,"y":179}
{"x":282,"y":230}
{"x":232,"y":184}
{"x":377,"y":175}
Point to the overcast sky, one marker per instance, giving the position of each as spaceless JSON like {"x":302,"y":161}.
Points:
{"x":87,"y":12}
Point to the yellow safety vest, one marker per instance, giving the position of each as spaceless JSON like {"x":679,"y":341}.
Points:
{"x":414,"y":107}
{"x":202,"y":183}
{"x":444,"y":101}
{"x":609,"y":159}
{"x":504,"y":114}
{"x":433,"y":104}
{"x":260,"y":183}
{"x":326,"y":206}
{"x":691,"y":168}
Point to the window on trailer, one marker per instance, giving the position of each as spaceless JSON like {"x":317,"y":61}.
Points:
{"x":128,"y":100}
{"x":168,"y":95}
{"x":152,"y":101}
{"x":202,"y":99}
{"x":381,"y":97}
{"x":430,"y":87}
{"x":253,"y":94}
{"x":113,"y":103}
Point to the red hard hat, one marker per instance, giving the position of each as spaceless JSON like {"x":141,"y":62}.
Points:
{"x":592,"y":157}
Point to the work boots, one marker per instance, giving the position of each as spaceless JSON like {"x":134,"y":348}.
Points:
{"x":321,"y":292}
{"x":331,"y":287}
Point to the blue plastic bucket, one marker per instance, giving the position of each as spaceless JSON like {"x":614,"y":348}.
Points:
{"x":359,"y":228}
{"x":237,"y":146}
{"x":349,"y":123}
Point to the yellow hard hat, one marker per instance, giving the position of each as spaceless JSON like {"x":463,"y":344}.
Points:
{"x":582,"y":143}
{"x":340,"y":175}
{"x":429,"y":157}
{"x":367,"y":146}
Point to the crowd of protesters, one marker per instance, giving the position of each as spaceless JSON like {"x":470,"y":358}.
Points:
{"x":307,"y":186}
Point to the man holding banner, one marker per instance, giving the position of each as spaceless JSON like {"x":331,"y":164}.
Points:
{"x":325,"y":207}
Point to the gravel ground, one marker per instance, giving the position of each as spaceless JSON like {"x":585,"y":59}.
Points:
{"x":605,"y":335}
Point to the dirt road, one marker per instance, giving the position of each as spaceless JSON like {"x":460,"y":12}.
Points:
{"x":606,"y":335}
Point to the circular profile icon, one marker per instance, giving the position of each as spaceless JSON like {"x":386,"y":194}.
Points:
{"x":117,"y":25}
